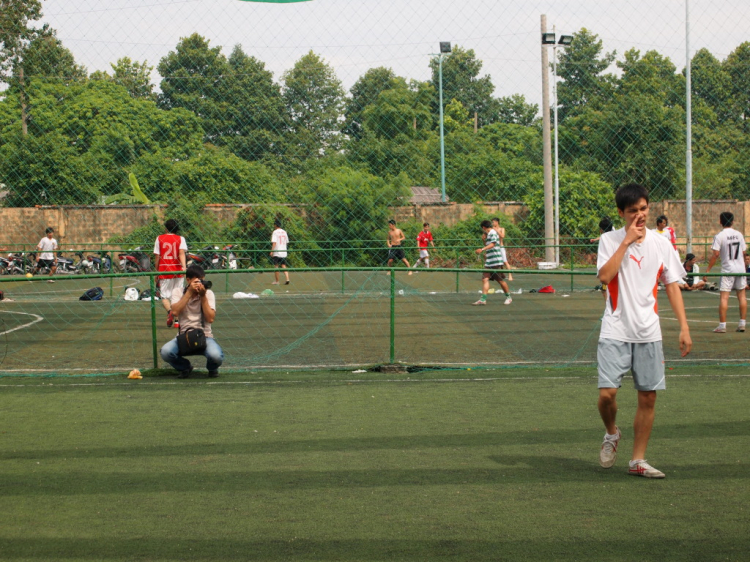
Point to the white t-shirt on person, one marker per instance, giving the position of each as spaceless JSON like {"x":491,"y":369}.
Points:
{"x":48,"y":247}
{"x":191,"y":316}
{"x":632,"y":313}
{"x":280,"y":239}
{"x":731,"y":244}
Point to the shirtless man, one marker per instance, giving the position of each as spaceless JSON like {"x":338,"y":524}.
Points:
{"x":395,"y":237}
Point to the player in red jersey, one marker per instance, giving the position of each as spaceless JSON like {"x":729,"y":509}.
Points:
{"x":169,"y":252}
{"x":424,"y":238}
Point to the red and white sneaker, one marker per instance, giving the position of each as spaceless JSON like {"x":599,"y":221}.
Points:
{"x":720,"y":330}
{"x":170,"y":319}
{"x":608,"y":452}
{"x":177,"y":324}
{"x":642,"y":468}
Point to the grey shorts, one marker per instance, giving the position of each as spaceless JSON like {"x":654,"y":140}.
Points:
{"x":732,"y":283}
{"x":645,"y":360}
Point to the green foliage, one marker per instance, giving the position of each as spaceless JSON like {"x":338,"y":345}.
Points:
{"x":584,"y":200}
{"x":581,"y":69}
{"x":365,"y":92}
{"x":254,"y":225}
{"x":347,"y":206}
{"x":737,"y":66}
{"x":314,"y":99}
{"x":16,"y":31}
{"x":137,"y":197}
{"x":134,"y":76}
{"x":461,"y":81}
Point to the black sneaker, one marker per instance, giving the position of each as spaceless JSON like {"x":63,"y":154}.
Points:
{"x":213,"y":374}
{"x":287,"y":283}
{"x":185,"y":374}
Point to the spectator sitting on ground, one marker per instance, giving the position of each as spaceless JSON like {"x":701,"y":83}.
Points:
{"x":693,"y":283}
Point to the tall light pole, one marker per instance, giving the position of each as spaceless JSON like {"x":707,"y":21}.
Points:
{"x":565,"y":40}
{"x":549,"y":226}
{"x":445,"y":50}
{"x":688,"y":137}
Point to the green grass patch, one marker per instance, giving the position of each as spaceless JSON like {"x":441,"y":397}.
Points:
{"x":474,"y":464}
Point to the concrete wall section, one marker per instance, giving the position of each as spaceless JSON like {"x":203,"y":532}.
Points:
{"x":98,"y":223}
{"x":93,"y":224}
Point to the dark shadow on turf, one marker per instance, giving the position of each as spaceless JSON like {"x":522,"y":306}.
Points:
{"x":409,"y":442}
{"x":513,"y":470}
{"x":293,"y":548}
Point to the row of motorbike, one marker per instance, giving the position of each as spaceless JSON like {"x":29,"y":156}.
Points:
{"x":25,"y":262}
{"x":132,"y":261}
{"x":208,"y":258}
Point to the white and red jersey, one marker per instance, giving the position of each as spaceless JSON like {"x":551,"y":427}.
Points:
{"x":731,"y":246}
{"x":167,"y":247}
{"x":423,"y":239}
{"x":632,"y":313}
{"x":669,"y":234}
{"x":279,"y":241}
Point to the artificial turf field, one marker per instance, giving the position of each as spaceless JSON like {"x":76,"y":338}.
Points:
{"x":334,"y":319}
{"x":439,"y":465}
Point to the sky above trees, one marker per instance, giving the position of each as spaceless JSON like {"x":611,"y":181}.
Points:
{"x":400,"y":34}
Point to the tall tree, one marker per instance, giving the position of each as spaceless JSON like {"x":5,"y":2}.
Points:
{"x":652,"y":74}
{"x":514,"y":109}
{"x":16,"y":31}
{"x":397,"y":110}
{"x":135,"y":77}
{"x":737,"y":65}
{"x":314,"y":99}
{"x":192,"y":78}
{"x":256,"y":116}
{"x":581,"y":69}
{"x":461,"y":81}
{"x":711,"y":84}
{"x":364,"y":93}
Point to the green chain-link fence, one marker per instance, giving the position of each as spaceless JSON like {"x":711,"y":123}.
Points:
{"x":325,"y":115}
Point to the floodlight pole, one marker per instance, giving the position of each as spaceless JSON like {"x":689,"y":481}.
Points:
{"x":549,"y":228}
{"x":689,"y":137}
{"x":442,"y":132}
{"x":557,"y":175}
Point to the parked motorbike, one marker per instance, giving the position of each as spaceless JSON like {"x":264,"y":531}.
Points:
{"x":69,"y":266}
{"x":99,"y":264}
{"x":207,"y":258}
{"x":228,"y":259}
{"x":20,"y":263}
{"x":4,"y":265}
{"x":134,"y":261}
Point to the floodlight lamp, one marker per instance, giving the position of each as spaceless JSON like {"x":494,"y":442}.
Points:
{"x":565,"y":40}
{"x":445,"y":47}
{"x":548,"y":38}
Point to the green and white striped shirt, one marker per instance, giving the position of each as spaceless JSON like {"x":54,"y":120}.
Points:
{"x":493,"y":256}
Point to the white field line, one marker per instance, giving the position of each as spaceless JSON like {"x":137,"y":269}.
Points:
{"x":348,"y":381}
{"x":36,"y":316}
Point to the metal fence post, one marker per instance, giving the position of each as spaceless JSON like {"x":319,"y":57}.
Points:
{"x":152,"y":286}
{"x":393,"y":316}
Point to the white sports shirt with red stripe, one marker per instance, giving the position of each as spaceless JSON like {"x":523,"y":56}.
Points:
{"x":632,"y":313}
{"x":167,"y":247}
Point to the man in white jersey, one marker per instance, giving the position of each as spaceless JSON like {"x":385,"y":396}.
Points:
{"x":631,"y":261}
{"x":279,"y":241}
{"x":729,"y":245}
{"x":47,"y":246}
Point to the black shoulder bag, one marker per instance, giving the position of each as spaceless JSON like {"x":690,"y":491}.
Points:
{"x":193,"y":340}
